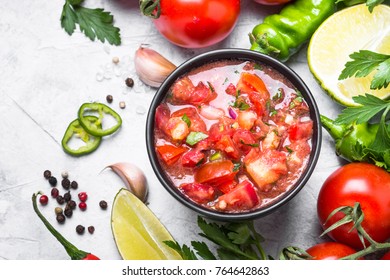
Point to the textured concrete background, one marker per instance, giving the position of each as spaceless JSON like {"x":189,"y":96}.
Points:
{"x":45,"y":75}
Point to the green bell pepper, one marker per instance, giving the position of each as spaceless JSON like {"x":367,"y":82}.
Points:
{"x":91,"y":142}
{"x":282,"y":35}
{"x":94,"y":127}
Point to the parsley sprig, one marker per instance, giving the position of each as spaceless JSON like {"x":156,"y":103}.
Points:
{"x":371,"y":106}
{"x":94,"y":23}
{"x":363,"y":63}
{"x":235,"y":241}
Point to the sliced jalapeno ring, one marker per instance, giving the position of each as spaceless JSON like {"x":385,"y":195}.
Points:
{"x":91,"y":142}
{"x":94,"y":127}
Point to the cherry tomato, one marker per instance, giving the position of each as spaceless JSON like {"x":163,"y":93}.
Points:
{"x":330,"y":251}
{"x":197,"y":24}
{"x":386,"y":256}
{"x":357,"y":182}
{"x":272,"y":2}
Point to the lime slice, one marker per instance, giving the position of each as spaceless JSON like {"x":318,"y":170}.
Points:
{"x":138,"y":234}
{"x":345,"y":32}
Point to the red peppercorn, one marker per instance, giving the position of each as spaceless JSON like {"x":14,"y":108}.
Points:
{"x":43,"y":199}
{"x":83,"y":205}
{"x":83,"y":196}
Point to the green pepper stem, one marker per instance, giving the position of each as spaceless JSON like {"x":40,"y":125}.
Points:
{"x":72,"y":251}
{"x":335,"y":130}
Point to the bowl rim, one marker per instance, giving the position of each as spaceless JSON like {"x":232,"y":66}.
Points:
{"x":240,"y":54}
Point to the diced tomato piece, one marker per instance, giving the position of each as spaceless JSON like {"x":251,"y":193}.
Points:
{"x":169,"y":153}
{"x":227,"y":145}
{"x":192,"y":158}
{"x":231,"y":89}
{"x":242,"y":197}
{"x":246,"y":119}
{"x":197,"y":124}
{"x":223,"y":127}
{"x":301,"y":130}
{"x":252,"y":83}
{"x":177,"y":128}
{"x":162,"y":116}
{"x":227,"y":187}
{"x":299,"y":151}
{"x":200,"y":193}
{"x":184,"y":92}
{"x":244,"y":140}
{"x":215,"y":172}
{"x":265,"y":167}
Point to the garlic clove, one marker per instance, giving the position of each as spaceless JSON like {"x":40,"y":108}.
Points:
{"x":133,"y":177}
{"x":151,"y":67}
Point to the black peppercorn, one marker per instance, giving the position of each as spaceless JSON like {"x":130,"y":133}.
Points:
{"x":129,"y":82}
{"x":71,"y":204}
{"x":65,"y":183}
{"x":53,"y":181}
{"x":60,"y":199}
{"x":54,"y":192}
{"x":68,"y":212}
{"x":80,"y":229}
{"x":47,"y":174}
{"x":103,"y":204}
{"x":60,"y":218}
{"x":91,"y":229}
{"x":74,"y":185}
{"x":67,"y":196}
{"x":109,"y":98}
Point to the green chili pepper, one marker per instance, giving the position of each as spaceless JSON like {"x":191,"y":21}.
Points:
{"x":282,"y":35}
{"x":91,"y":142}
{"x":351,"y":140}
{"x":94,"y":127}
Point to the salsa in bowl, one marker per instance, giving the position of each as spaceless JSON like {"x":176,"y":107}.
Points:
{"x":233,"y":134}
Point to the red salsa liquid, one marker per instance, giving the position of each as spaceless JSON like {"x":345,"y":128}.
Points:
{"x":233,"y":135}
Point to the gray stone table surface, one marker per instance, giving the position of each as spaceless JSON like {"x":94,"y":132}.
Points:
{"x":45,"y":75}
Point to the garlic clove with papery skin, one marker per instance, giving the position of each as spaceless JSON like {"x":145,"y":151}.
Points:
{"x":151,"y":67}
{"x":133,"y":177}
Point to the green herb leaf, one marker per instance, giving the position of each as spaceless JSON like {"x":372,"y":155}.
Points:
{"x":371,"y":106}
{"x":248,"y":144}
{"x":185,"y":252}
{"x":195,"y":137}
{"x":203,"y":251}
{"x":236,"y":167}
{"x":241,"y":105}
{"x":186,"y":119}
{"x":363,"y":63}
{"x":94,"y":23}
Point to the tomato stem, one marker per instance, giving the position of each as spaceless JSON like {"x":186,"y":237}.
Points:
{"x":150,"y":8}
{"x":369,"y":250}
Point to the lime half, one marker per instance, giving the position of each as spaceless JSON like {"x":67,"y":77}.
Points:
{"x":345,"y":32}
{"x":138,"y":234}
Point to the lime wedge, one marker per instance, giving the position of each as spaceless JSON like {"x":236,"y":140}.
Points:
{"x":138,"y":234}
{"x":345,"y":32}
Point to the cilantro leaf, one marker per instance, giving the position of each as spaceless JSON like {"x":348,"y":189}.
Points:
{"x":185,"y":252}
{"x":363,"y":63}
{"x":203,"y":251}
{"x":68,"y":19}
{"x":94,"y":23}
{"x":371,"y":106}
{"x":186,"y":119}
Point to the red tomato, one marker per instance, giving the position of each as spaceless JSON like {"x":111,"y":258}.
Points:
{"x":215,"y":173}
{"x":201,"y":193}
{"x":301,"y":130}
{"x":357,"y":182}
{"x":227,"y":145}
{"x":197,"y":24}
{"x":330,"y":251}
{"x":169,"y":153}
{"x":386,"y":256}
{"x":272,"y":2}
{"x":192,"y":158}
{"x":196,"y":122}
{"x":242,"y":197}
{"x":184,"y":92}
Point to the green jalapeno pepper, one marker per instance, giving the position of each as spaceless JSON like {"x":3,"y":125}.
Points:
{"x":282,"y":35}
{"x":352,"y":141}
{"x":91,"y":142}
{"x":94,"y":127}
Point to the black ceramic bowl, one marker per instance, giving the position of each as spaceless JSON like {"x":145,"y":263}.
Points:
{"x":245,"y":55}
